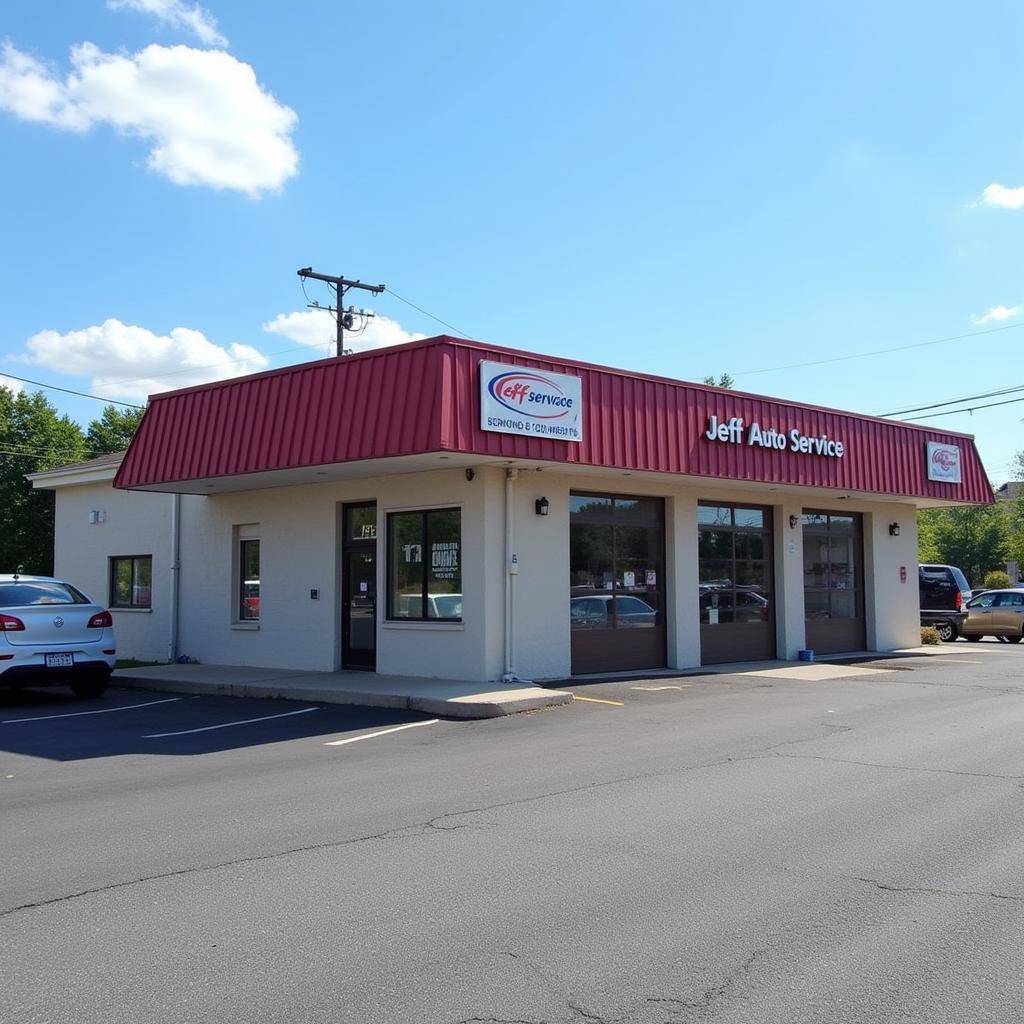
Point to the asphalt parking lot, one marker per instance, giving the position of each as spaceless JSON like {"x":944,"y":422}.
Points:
{"x":50,"y":723}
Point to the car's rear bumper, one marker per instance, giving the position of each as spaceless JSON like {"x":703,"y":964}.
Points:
{"x":934,"y":617}
{"x":25,"y":674}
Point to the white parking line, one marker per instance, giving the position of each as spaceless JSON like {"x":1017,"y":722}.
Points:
{"x":102,"y":711}
{"x":383,"y":732}
{"x":227,"y":725}
{"x":655,"y":689}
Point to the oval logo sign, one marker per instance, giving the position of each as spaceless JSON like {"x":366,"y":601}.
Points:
{"x":522,"y":400}
{"x":58,"y":622}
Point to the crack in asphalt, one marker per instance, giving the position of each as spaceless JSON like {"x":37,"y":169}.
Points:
{"x":435,"y":823}
{"x":895,"y":767}
{"x":939,"y":892}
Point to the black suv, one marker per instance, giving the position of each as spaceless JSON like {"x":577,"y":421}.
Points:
{"x":944,"y":594}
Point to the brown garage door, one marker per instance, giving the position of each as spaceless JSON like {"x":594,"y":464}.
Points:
{"x":737,"y":617}
{"x":834,"y":581}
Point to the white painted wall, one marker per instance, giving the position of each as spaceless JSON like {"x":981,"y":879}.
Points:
{"x":891,"y":605}
{"x":136,"y":523}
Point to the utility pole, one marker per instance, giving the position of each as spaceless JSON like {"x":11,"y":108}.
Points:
{"x":345,"y":318}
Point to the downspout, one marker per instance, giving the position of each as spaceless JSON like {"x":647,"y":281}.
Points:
{"x":172,"y":646}
{"x":511,"y":571}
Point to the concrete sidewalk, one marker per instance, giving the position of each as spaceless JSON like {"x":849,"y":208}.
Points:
{"x":446,"y":697}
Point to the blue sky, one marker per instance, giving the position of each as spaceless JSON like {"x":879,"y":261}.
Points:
{"x":668,"y":187}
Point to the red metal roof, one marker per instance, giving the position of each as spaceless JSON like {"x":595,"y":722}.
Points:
{"x":424,"y":397}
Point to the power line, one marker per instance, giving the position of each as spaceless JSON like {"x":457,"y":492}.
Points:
{"x":970,"y":408}
{"x":68,"y":391}
{"x":957,"y":401}
{"x":444,"y":323}
{"x":879,"y":351}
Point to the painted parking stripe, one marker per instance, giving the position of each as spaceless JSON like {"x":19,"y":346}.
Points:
{"x":655,"y":689}
{"x":101,"y":711}
{"x":227,"y":725}
{"x":595,"y":700}
{"x":382,"y":732}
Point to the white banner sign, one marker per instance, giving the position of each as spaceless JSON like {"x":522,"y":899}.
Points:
{"x":943,"y":462}
{"x":520,"y":400}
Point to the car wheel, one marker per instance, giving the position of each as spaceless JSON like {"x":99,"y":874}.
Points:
{"x":90,"y":686}
{"x":947,"y":632}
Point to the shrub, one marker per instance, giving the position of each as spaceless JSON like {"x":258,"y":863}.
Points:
{"x":929,"y":636}
{"x":996,"y":580}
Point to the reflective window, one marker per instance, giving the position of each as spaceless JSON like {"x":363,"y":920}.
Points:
{"x":425,"y":564}
{"x":734,"y":574}
{"x":616,"y":562}
{"x":831,"y":570}
{"x":131,"y":581}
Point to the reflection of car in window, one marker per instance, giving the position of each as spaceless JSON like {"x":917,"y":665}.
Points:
{"x":734,"y":606}
{"x":596,"y":612}
{"x":439,"y":606}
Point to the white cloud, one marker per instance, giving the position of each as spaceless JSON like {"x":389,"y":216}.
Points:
{"x":1000,"y":195}
{"x":997,"y":313}
{"x":129,"y":362}
{"x":178,"y":15}
{"x":12,"y":385}
{"x":209,"y":121}
{"x":316,"y":327}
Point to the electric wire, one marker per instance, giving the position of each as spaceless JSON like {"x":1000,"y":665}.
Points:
{"x":956,"y":401}
{"x":444,"y":323}
{"x":970,"y":409}
{"x":69,"y":391}
{"x":879,"y":351}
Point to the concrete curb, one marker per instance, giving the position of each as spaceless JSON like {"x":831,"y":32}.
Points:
{"x":491,"y":704}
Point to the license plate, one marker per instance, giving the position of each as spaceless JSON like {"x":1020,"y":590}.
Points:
{"x":59,"y":660}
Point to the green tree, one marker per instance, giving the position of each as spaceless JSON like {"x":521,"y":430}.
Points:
{"x":113,"y":431}
{"x":974,"y":538}
{"x":724,"y":381}
{"x":1015,"y":519}
{"x":33,"y":437}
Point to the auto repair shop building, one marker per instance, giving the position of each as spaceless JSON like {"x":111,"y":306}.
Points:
{"x":454,"y":509}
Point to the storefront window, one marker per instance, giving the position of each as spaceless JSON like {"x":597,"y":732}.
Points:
{"x":425,"y":565}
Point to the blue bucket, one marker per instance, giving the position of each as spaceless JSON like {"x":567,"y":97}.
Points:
{"x":805,"y":655}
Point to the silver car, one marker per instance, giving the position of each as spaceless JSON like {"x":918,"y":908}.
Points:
{"x":998,"y":613}
{"x":51,"y":634}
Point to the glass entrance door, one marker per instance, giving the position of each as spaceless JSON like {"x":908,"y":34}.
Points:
{"x":359,"y":587}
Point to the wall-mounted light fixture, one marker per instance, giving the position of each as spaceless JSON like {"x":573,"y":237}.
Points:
{"x":470,"y":472}
{"x":793,"y":520}
{"x":894,"y":529}
{"x":541,"y":506}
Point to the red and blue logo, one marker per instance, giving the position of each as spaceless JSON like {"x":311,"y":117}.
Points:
{"x":531,"y":394}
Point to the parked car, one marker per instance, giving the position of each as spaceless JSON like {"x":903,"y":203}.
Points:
{"x":998,"y":613}
{"x":594,"y":612}
{"x":51,"y":634}
{"x":439,"y":606}
{"x":743,"y":605}
{"x":944,"y":592}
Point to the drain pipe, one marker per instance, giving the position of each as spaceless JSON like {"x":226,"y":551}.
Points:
{"x":172,"y":647}
{"x":511,"y":571}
